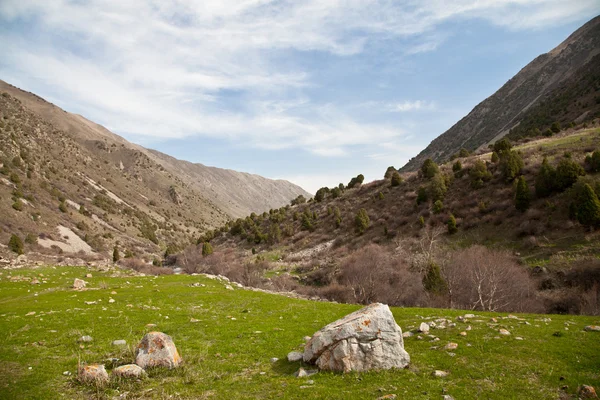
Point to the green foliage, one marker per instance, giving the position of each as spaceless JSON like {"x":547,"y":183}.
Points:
{"x":479,"y":174}
{"x":585,"y":205}
{"x":356,"y":181}
{"x":336,"y":192}
{"x":545,"y":180}
{"x":522,"y":195}
{"x":31,"y":239}
{"x":433,"y":281}
{"x":495,"y":158}
{"x":207,"y":249}
{"x":437,"y":188}
{"x":321,"y":194}
{"x":422,"y":195}
{"x":148,"y":230}
{"x":116,"y":256}
{"x":361,"y":221}
{"x":18,"y":205}
{"x":14,"y":178}
{"x":429,"y":168}
{"x":274,"y":234}
{"x":555,"y":127}
{"x":421,"y":221}
{"x":593,"y":162}
{"x":464,"y":153}
{"x":511,"y":164}
{"x":567,"y":173}
{"x":548,"y":132}
{"x":84,"y":211}
{"x":457,"y":167}
{"x":298,"y":200}
{"x":438,"y":206}
{"x":381,"y":196}
{"x":452,"y":228}
{"x":389,"y":172}
{"x":396,"y":179}
{"x":502,"y":147}
{"x":62,"y":207}
{"x":306,"y":223}
{"x":15,"y":244}
{"x":105,"y":203}
{"x":129,"y":254}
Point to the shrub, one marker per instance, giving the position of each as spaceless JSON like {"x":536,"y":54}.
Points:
{"x":396,"y":179}
{"x":522,"y":196}
{"x":437,"y":188}
{"x":356,"y":181}
{"x":457,"y":167}
{"x":429,"y":168}
{"x":381,"y":196}
{"x":464,"y":153}
{"x":274,"y":234}
{"x":31,"y":239}
{"x":495,"y":157}
{"x":421,"y":221}
{"x":452,"y":228}
{"x":479,"y":174}
{"x":207,"y":249}
{"x":389,"y":172}
{"x":567,"y":173}
{"x":511,"y":164}
{"x":545,"y":180}
{"x":555,"y":127}
{"x":298,"y":200}
{"x":593,"y":162}
{"x":585,"y":205}
{"x":307,"y":223}
{"x":421,"y":195}
{"x":18,"y":205}
{"x":336,"y":192}
{"x":438,"y":206}
{"x":321,"y":194}
{"x":361,"y":221}
{"x":15,"y":244}
{"x":14,"y":178}
{"x":502,"y":147}
{"x":116,"y":256}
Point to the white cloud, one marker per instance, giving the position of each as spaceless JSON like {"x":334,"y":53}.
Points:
{"x":168,"y":68}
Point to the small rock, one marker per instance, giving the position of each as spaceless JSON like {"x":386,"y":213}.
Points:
{"x":424,"y":327}
{"x":451,"y":346}
{"x":93,"y":373}
{"x":113,"y":292}
{"x":67,"y":373}
{"x":468,"y":328}
{"x":503,"y":332}
{"x":587,"y":392}
{"x":228,"y":287}
{"x":301,"y":373}
{"x":440,"y":374}
{"x":78,"y":284}
{"x":35,"y":281}
{"x":119,"y":342}
{"x":86,"y":338}
{"x":518,"y":338}
{"x":294,"y":356}
{"x":111,"y":300}
{"x":129,"y":371}
{"x":592,"y":328}
{"x":30,"y":313}
{"x":88,"y":276}
{"x":407,"y":334}
{"x":193,"y":320}
{"x":447,"y":397}
{"x":387,"y":397}
{"x":469,"y":316}
{"x":306,"y":338}
{"x":463,"y":334}
{"x":274,"y":360}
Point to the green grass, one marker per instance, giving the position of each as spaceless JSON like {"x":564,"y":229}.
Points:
{"x":581,"y":139}
{"x":227,"y":358}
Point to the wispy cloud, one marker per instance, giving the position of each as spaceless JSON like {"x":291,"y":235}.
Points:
{"x":407,"y":106}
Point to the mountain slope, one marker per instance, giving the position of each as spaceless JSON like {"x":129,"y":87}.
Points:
{"x":62,"y":175}
{"x":563,"y":68}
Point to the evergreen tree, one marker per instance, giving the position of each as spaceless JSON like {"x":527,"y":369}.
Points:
{"x":452,"y":229}
{"x":545,"y":180}
{"x":116,"y":255}
{"x":522,"y":196}
{"x":555,"y":127}
{"x":438,"y":206}
{"x":502,"y":147}
{"x":437,"y":187}
{"x":429,"y":168}
{"x":586,"y":205}
{"x":396,"y":179}
{"x":274,"y":234}
{"x":361,"y":221}
{"x":457,"y":167}
{"x":421,"y":195}
{"x":495,"y":157}
{"x":567,"y":173}
{"x":593,"y":162}
{"x":511,"y":164}
{"x":464,"y":153}
{"x":479,"y":174}
{"x":389,"y":172}
{"x":207,"y":249}
{"x":433,"y":281}
{"x":15,"y":244}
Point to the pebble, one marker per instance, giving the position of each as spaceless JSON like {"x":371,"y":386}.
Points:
{"x":67,"y":373}
{"x":424,"y":327}
{"x":119,"y":342}
{"x":503,"y":332}
{"x":111,"y":300}
{"x":440,"y":374}
{"x":451,"y":346}
{"x":463,"y":334}
{"x":274,"y":360}
{"x":518,"y":338}
{"x":86,"y":338}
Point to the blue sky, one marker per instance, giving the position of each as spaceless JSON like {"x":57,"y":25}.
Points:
{"x":312,"y":91}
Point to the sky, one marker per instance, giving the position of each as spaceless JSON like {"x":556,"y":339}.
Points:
{"x":313,"y":91}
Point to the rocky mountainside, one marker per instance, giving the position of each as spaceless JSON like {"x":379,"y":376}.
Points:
{"x":560,"y":86}
{"x":71,"y":185}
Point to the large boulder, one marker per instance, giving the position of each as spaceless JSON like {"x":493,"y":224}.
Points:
{"x":364,"y":340}
{"x":157,"y":349}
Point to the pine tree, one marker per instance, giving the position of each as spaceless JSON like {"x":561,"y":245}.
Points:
{"x":567,"y":173}
{"x":522,"y":196}
{"x":511,"y":165}
{"x":207,"y":249}
{"x":586,"y":205}
{"x":457,"y":167}
{"x":116,"y":255}
{"x":389,"y":172}
{"x":433,"y":281}
{"x":438,"y":206}
{"x":437,"y":188}
{"x":15,"y":244}
{"x":429,"y":168}
{"x":396,"y":179}
{"x":545,"y":179}
{"x":421,"y":195}
{"x":361,"y":221}
{"x":452,"y":229}
{"x":495,"y":157}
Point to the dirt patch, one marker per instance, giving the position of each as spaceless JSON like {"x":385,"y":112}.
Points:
{"x":72,"y":243}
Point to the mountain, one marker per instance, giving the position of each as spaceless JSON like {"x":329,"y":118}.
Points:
{"x":560,"y":86}
{"x":53,"y":161}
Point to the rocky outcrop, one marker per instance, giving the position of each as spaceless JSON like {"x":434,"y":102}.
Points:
{"x":364,"y":340}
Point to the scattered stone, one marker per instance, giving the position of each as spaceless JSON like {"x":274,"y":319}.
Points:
{"x":67,"y":373}
{"x":273,"y":360}
{"x":440,"y":374}
{"x":504,"y":332}
{"x":388,"y":397}
{"x":129,"y":371}
{"x":30,"y":313}
{"x":407,"y":334}
{"x":113,"y":292}
{"x":592,"y":328}
{"x":294,"y":356}
{"x":228,"y":287}
{"x":89,"y":303}
{"x":468,"y":328}
{"x":93,"y":373}
{"x":463,"y":334}
{"x":518,"y":338}
{"x":86,"y":338}
{"x":424,"y":327}
{"x":119,"y":342}
{"x":157,"y":349}
{"x":35,"y":281}
{"x":150,"y":325}
{"x":451,"y":346}
{"x":111,"y":300}
{"x":469,"y":316}
{"x":301,"y":373}
{"x":363,"y":340}
{"x":88,"y":276}
{"x":447,"y":397}
{"x":78,"y":284}
{"x":306,"y":338}
{"x":194,"y":320}
{"x":587,"y":392}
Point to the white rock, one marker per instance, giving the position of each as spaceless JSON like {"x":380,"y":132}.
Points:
{"x":119,"y":342}
{"x":424,"y":327}
{"x":129,"y":371}
{"x":78,"y":284}
{"x":157,"y":349}
{"x":503,"y":332}
{"x":363,"y":340}
{"x":440,"y":374}
{"x":294,"y":356}
{"x":592,"y":328}
{"x":93,"y":373}
{"x":451,"y":346}
{"x":274,"y":360}
{"x":86,"y":338}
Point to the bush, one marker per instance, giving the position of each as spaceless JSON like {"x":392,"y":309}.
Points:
{"x":495,"y":157}
{"x":593,"y":162}
{"x":429,"y":168}
{"x":433,"y":281}
{"x":522,"y":196}
{"x":457,"y":167}
{"x":361,"y":221}
{"x":321,"y":194}
{"x":502,"y":147}
{"x":356,"y":181}
{"x":18,"y":205}
{"x":438,"y":206}
{"x":116,"y":256}
{"x":207,"y":249}
{"x":298,"y":200}
{"x":545,"y":180}
{"x":511,"y":165}
{"x":389,"y":172}
{"x":437,"y":188}
{"x":274,"y":234}
{"x":567,"y":173}
{"x":479,"y":174}
{"x":31,"y":239}
{"x":14,"y":178}
{"x":555,"y":127}
{"x":452,"y":228}
{"x":585,"y":205}
{"x":15,"y":244}
{"x":396,"y":179}
{"x":464,"y":153}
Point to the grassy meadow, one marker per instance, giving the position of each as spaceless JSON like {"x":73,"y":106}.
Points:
{"x":227,"y":338}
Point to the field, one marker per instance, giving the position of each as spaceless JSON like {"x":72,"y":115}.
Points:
{"x":227,"y":338}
